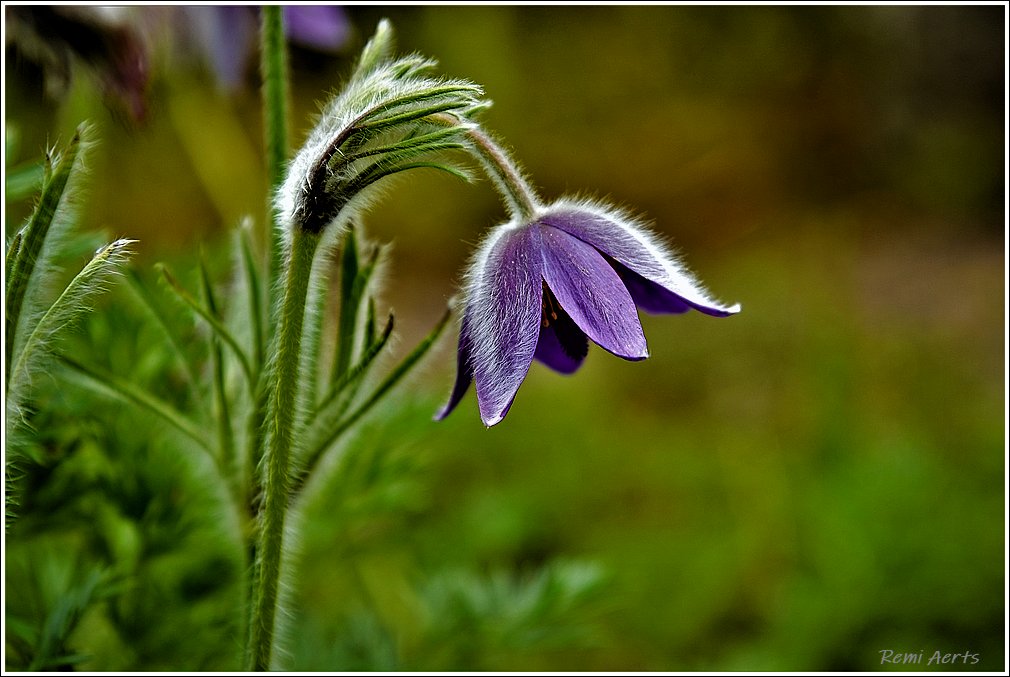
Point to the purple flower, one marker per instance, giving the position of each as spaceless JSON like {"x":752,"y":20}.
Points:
{"x":540,"y":289}
{"x":226,"y":36}
{"x":323,"y":28}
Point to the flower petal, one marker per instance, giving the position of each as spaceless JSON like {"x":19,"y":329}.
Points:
{"x":562,"y":345}
{"x":464,"y":369}
{"x":649,"y":296}
{"x":633,"y":246}
{"x":590,"y":291}
{"x":505,"y":289}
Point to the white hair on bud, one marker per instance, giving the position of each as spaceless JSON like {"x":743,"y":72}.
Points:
{"x":366,"y":92}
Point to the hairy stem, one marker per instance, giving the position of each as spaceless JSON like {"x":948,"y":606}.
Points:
{"x":283,"y":415}
{"x":273,"y":63}
{"x":521,"y":200}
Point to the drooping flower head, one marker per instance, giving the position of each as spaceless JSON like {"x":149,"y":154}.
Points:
{"x":541,"y":287}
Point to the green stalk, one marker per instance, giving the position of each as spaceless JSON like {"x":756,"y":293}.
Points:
{"x":283,"y":418}
{"x":274,"y":66}
{"x":521,"y":200}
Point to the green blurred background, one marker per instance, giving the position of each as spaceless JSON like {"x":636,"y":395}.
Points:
{"x":795,"y":488}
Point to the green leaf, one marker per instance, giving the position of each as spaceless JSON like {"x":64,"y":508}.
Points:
{"x":354,"y":375}
{"x":219,"y":329}
{"x":12,"y":254}
{"x":408,"y":116}
{"x":70,"y":305}
{"x":370,"y":323}
{"x":255,"y":289}
{"x":226,"y":439}
{"x":154,"y":308}
{"x":351,"y":297}
{"x":333,"y":407}
{"x":501,"y":612}
{"x":462,"y":92}
{"x":378,"y":49}
{"x":62,"y":619}
{"x":328,"y":436}
{"x":349,"y":303}
{"x":316,"y":306}
{"x":411,"y":145}
{"x":23,"y":282}
{"x":122,"y":389}
{"x":378,"y":171}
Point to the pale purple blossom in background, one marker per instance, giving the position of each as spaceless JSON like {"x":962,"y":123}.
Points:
{"x":540,"y":290}
{"x":116,"y":44}
{"x":323,"y":28}
{"x":227,"y":36}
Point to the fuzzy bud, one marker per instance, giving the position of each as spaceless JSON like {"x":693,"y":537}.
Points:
{"x":383,"y":122}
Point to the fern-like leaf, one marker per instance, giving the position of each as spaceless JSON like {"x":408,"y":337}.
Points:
{"x":75,"y":300}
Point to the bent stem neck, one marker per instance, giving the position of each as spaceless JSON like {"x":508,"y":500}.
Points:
{"x":521,"y":200}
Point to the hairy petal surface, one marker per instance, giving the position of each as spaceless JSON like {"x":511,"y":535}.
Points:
{"x":630,"y":244}
{"x":649,"y":296}
{"x":591,"y":292}
{"x":504,"y":303}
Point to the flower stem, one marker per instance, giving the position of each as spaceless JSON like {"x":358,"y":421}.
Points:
{"x":282,"y":420}
{"x":273,"y":63}
{"x":521,"y":200}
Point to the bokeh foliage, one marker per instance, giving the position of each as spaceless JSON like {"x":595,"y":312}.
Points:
{"x":795,"y":488}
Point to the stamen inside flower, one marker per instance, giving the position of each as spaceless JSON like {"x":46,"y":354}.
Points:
{"x":573,"y":340}
{"x":550,"y":306}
